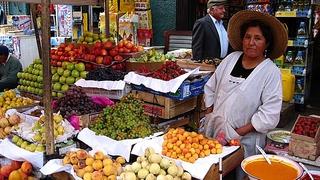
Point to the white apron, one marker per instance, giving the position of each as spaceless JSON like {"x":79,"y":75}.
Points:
{"x":223,"y":118}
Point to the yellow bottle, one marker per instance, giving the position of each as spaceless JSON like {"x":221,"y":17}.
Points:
{"x":288,"y":84}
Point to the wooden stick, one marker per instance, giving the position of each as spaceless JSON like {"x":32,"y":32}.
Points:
{"x":35,"y":25}
{"x":45,"y":29}
{"x":107,"y":17}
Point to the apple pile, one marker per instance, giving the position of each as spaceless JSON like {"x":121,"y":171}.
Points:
{"x":95,"y":55}
{"x":90,"y":37}
{"x":17,"y":170}
{"x":125,"y":46}
{"x":307,"y":126}
{"x":7,"y":124}
{"x":152,"y":55}
{"x":98,"y":166}
{"x":66,"y":75}
{"x":31,"y":79}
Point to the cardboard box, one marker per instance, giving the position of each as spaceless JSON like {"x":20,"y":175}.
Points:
{"x":164,"y":107}
{"x":304,"y":146}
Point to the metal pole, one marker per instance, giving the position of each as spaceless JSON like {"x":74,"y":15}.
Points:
{"x":45,"y":29}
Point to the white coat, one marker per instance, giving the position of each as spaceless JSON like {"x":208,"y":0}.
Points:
{"x":238,"y":101}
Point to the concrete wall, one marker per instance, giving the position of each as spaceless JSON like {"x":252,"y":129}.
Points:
{"x":163,"y":17}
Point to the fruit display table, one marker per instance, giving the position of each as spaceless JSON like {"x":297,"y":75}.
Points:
{"x":229,"y":163}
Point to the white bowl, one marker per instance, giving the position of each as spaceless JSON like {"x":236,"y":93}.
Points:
{"x":271,"y":157}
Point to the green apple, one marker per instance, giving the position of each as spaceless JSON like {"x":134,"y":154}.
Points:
{"x":70,"y":66}
{"x":70,"y":80}
{"x":75,"y":73}
{"x":55,"y":77}
{"x":64,"y":88}
{"x":80,"y":67}
{"x":59,"y":94}
{"x":60,"y":71}
{"x":65,"y":64}
{"x":54,"y":94}
{"x":66,"y":73}
{"x":39,"y":78}
{"x":62,"y":80}
{"x":57,"y":86}
{"x":83,"y":74}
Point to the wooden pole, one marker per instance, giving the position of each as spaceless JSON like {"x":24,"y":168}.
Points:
{"x":107,"y":18}
{"x":35,"y":25}
{"x":45,"y":29}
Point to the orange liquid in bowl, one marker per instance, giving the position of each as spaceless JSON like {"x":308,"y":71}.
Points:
{"x":276,"y":171}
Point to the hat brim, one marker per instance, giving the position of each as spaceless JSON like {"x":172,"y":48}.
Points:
{"x":279,"y":33}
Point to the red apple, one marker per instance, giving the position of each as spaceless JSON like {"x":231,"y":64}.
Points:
{"x":118,"y":58}
{"x":97,"y":52}
{"x":108,"y":45}
{"x":92,"y":57}
{"x":129,"y":45}
{"x":107,"y":60}
{"x":60,"y":53}
{"x":113,"y":52}
{"x":60,"y":49}
{"x":53,"y":63}
{"x":103,"y":52}
{"x":62,"y":45}
{"x":126,"y":50}
{"x":97,"y":44}
{"x":59,"y":63}
{"x":121,"y":50}
{"x":120,"y":44}
{"x":99,"y":59}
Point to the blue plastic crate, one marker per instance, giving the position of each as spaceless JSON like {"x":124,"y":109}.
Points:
{"x":186,"y":90}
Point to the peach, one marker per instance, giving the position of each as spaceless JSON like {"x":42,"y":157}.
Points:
{"x":26,"y":168}
{"x":82,"y":154}
{"x":15,"y":165}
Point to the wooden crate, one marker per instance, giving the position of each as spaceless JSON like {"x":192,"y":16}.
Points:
{"x":304,"y":146}
{"x":164,"y":107}
{"x":189,"y":64}
{"x":87,"y":119}
{"x":315,"y":139}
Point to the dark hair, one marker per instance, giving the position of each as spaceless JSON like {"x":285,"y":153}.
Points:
{"x":265,"y":29}
{"x":4,"y":50}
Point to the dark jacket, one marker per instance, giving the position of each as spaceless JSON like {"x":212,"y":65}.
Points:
{"x":205,"y":40}
{"x":8,"y":73}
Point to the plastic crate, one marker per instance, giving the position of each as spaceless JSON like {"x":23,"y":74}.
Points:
{"x":111,"y":94}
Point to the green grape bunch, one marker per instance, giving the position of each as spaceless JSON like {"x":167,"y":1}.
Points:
{"x":125,"y":120}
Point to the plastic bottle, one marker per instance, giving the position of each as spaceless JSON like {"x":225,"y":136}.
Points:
{"x":289,"y":57}
{"x":299,"y":58}
{"x":302,"y":29}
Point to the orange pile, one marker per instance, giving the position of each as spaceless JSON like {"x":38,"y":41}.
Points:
{"x":188,"y":146}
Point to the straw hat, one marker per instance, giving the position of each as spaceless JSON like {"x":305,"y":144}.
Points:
{"x":279,"y":33}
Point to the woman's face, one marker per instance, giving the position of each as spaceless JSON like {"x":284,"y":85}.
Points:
{"x":254,"y":43}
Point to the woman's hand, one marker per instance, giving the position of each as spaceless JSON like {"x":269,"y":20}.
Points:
{"x":209,"y":110}
{"x":242,"y":131}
